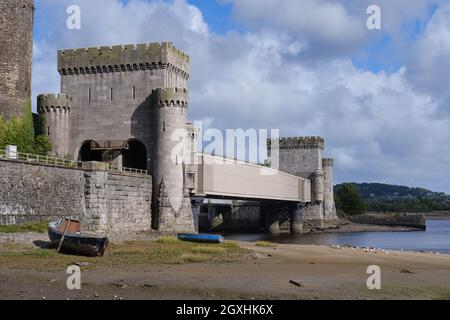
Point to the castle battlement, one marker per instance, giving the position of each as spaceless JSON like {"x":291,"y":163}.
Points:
{"x":123,"y":58}
{"x":297,"y":143}
{"x":54,"y":103}
{"x":327,"y":162}
{"x":171,"y":97}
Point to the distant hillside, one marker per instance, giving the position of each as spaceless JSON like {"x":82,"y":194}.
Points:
{"x":385,"y":197}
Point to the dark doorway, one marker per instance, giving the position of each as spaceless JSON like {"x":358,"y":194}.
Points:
{"x":87,"y":154}
{"x":136,"y":156}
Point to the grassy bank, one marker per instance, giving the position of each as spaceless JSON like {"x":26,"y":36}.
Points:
{"x":165,"y":251}
{"x":39,"y":227}
{"x":265,"y":244}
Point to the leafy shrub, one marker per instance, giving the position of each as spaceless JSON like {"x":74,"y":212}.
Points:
{"x":19,"y":131}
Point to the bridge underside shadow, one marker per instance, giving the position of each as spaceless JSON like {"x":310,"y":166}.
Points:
{"x":231,"y":215}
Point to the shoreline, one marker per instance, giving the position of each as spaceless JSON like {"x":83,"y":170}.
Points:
{"x":358,"y":228}
{"x":284,"y":271}
{"x":29,"y":237}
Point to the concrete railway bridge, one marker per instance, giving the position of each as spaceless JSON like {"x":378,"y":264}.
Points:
{"x":221,"y":178}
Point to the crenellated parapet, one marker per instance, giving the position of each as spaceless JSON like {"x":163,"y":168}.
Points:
{"x":170,"y":97}
{"x":54,"y":103}
{"x":293,"y":143}
{"x":124,"y":58}
{"x":327,"y":162}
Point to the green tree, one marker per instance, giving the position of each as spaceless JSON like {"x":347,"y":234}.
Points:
{"x":19,"y":131}
{"x":349,"y":200}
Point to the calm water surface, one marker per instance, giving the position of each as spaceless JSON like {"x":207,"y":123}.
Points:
{"x":435,"y":239}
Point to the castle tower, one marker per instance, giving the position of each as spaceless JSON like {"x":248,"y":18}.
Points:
{"x":55,"y":112}
{"x":302,"y":157}
{"x":299,"y":156}
{"x":329,"y":206}
{"x":172,"y":210}
{"x":111,"y":87}
{"x":16,"y":50}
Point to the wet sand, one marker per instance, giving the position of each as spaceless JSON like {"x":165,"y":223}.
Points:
{"x":319,"y":272}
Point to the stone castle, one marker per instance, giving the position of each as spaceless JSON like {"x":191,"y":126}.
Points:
{"x":122,"y":105}
{"x":303,"y":157}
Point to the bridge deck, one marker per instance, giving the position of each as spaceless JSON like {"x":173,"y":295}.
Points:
{"x":236,"y":179}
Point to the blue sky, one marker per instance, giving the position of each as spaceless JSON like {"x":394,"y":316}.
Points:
{"x":217,"y":15}
{"x":375,"y":56}
{"x":308,"y":67}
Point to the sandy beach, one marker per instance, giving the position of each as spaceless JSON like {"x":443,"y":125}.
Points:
{"x":242,"y":271}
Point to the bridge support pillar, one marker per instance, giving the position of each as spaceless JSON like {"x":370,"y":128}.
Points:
{"x":273,"y":223}
{"x":270,"y":211}
{"x":196,"y":203}
{"x":297,"y":219}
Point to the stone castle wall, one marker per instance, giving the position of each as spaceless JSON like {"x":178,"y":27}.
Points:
{"x":111,"y":86}
{"x":299,"y":156}
{"x":32,"y":192}
{"x":122,"y":94}
{"x":329,"y":206}
{"x":303,"y":157}
{"x":55,"y":111}
{"x":103,"y":201}
{"x":116,"y":202}
{"x":16,"y":49}
{"x":171,"y":197}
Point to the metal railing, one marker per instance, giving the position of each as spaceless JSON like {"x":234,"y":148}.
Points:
{"x":50,"y":161}
{"x":61,"y":162}
{"x":112,"y":168}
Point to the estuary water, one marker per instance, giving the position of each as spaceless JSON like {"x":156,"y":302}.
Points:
{"x":435,"y":239}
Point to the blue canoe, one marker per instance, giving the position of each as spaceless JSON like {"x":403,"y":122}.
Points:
{"x":201,"y":238}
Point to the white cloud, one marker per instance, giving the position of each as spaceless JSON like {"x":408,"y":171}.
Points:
{"x":379,"y":126}
{"x":430,"y":64}
{"x":318,"y":22}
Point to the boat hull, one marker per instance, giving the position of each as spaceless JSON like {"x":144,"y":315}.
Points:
{"x":78,"y":243}
{"x":201,"y":238}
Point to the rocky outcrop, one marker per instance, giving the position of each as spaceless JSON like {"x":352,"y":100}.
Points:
{"x":415,"y":221}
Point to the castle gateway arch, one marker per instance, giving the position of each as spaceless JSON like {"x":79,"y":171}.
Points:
{"x":128,"y":154}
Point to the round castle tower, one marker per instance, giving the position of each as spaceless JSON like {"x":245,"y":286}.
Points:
{"x":16,"y":50}
{"x":318,"y":179}
{"x":170,"y":107}
{"x":329,"y":207}
{"x":55,"y":112}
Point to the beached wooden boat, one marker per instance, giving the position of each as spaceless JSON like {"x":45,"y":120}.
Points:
{"x":201,"y":238}
{"x":66,"y":235}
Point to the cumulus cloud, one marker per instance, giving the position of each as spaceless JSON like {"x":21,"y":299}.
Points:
{"x":430,"y":64}
{"x":323,"y":24}
{"x":384,"y":126}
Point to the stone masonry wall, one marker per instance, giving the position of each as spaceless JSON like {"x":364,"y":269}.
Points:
{"x":103,"y":201}
{"x":30,"y":192}
{"x":16,"y":48}
{"x":116,"y":202}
